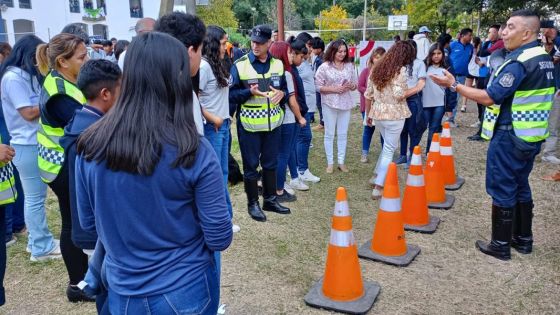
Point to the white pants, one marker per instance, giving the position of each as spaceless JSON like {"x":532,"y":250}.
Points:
{"x":390,"y":130}
{"x":336,"y":120}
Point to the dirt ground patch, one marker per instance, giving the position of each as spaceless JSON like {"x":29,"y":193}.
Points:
{"x":271,"y":266}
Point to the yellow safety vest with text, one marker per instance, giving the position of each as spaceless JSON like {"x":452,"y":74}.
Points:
{"x":8,"y":192}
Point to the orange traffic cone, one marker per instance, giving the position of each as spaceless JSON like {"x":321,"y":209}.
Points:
{"x":342,"y":288}
{"x":388,"y":244}
{"x":435,"y":187}
{"x":450,"y":179}
{"x":415,"y":207}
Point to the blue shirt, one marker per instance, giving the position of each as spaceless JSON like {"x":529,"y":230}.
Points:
{"x":503,"y":87}
{"x":460,"y":56}
{"x":159,"y":231}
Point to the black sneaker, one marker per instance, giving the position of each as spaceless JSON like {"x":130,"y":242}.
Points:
{"x":75,"y":295}
{"x":475,"y":137}
{"x":286,"y":197}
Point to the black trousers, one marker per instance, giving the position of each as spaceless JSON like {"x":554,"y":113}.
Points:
{"x":481,"y":85}
{"x":2,"y":254}
{"x":74,"y":258}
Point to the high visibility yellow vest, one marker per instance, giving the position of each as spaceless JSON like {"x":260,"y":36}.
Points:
{"x":51,"y":153}
{"x":258,"y":113}
{"x":8,"y":192}
{"x":532,"y":102}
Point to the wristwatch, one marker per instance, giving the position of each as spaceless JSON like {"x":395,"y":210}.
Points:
{"x":453,"y":86}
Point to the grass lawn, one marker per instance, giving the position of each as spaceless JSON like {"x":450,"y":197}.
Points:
{"x":270,"y":266}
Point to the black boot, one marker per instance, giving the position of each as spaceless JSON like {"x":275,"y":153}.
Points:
{"x":499,"y":246}
{"x":269,"y":193}
{"x":522,"y":239}
{"x":252,"y":191}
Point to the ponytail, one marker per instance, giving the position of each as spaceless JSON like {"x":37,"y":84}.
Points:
{"x":42,"y":59}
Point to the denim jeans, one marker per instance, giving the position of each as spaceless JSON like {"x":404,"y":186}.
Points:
{"x":287,"y":154}
{"x":303,"y":144}
{"x":201,"y":296}
{"x":367,"y":134}
{"x":461,"y":80}
{"x":433,"y":116}
{"x":410,"y":128}
{"x":40,"y":238}
{"x":390,"y":130}
{"x":15,"y":218}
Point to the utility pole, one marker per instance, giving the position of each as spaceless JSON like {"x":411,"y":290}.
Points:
{"x":166,"y":6}
{"x":365,"y":21}
{"x":280,"y":8}
{"x":191,"y":7}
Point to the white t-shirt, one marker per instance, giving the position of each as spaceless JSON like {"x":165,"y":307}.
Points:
{"x":121,"y":60}
{"x":289,"y":117}
{"x":18,"y":91}
{"x":213,"y":98}
{"x":433,"y":95}
{"x":308,"y":77}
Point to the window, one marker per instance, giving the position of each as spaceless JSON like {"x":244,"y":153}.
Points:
{"x":74,"y":6}
{"x":9,"y":3}
{"x":22,"y":28}
{"x":100,"y":30}
{"x":25,"y":4}
{"x":88,"y":4}
{"x":101,"y":4}
{"x":136,"y":9}
{"x":4,"y":35}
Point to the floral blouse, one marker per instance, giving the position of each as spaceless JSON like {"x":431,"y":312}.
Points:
{"x":385,"y":105}
{"x":329,"y":75}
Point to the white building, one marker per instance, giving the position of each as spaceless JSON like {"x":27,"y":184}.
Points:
{"x":46,"y":18}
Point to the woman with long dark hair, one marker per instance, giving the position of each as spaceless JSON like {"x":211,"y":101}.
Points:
{"x":293,"y":118}
{"x":21,"y":86}
{"x":387,"y":88}
{"x":170,"y":213}
{"x":335,"y":78}
{"x":60,"y":61}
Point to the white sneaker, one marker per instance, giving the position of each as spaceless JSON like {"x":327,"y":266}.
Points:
{"x":12,"y":241}
{"x":376,"y":194}
{"x":308,"y":177}
{"x":551,"y":159}
{"x":298,"y":184}
{"x":54,"y":254}
{"x":289,"y":188}
{"x":235,"y":228}
{"x":372,"y":180}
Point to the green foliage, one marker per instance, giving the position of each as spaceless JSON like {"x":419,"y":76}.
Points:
{"x":218,"y":12}
{"x":235,"y":36}
{"x":334,"y":18}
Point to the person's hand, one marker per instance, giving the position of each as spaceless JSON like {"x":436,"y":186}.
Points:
{"x":218,"y":121}
{"x":339,"y":89}
{"x":446,"y":80}
{"x":557,"y":95}
{"x":256,"y":92}
{"x":349,"y":86}
{"x":277,"y":95}
{"x":302,"y":122}
{"x":369,"y":122}
{"x":7,"y":153}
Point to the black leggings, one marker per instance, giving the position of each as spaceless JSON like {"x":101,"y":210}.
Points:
{"x":74,"y":258}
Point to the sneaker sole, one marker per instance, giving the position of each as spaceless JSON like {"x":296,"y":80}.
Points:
{"x":45,"y":258}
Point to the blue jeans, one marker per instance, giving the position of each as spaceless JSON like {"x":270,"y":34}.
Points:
{"x":367,"y":134}
{"x":303,"y":143}
{"x":460,"y":79}
{"x":15,"y":219}
{"x":201,"y":296}
{"x":40,"y":238}
{"x":433,"y":116}
{"x":286,"y":154}
{"x":220,"y":142}
{"x":410,"y":127}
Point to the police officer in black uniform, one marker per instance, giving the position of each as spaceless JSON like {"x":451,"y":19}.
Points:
{"x":518,"y":103}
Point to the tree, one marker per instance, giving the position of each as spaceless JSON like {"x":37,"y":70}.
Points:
{"x":387,"y":7}
{"x":292,"y":20}
{"x":218,"y":12}
{"x":334,"y":18}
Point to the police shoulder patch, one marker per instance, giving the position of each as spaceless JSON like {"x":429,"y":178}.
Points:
{"x":507,"y":80}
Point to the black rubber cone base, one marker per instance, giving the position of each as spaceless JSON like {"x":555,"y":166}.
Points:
{"x":446,"y":205}
{"x":428,"y":228}
{"x":401,"y":261}
{"x":315,"y":298}
{"x":458,"y":184}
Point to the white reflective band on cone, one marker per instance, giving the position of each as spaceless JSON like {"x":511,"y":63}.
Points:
{"x":446,"y":150}
{"x":342,"y":238}
{"x":390,"y":204}
{"x":416,"y":160}
{"x":434,"y":147}
{"x":341,"y":209}
{"x":446,"y":133}
{"x":415,"y":180}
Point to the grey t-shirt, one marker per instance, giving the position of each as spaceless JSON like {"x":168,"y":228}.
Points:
{"x":213,"y":98}
{"x":308,"y":77}
{"x":433,"y":95}
{"x":418,"y":72}
{"x":19,"y":90}
{"x":289,"y":117}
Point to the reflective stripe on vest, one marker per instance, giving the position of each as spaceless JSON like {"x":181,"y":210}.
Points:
{"x":529,"y":109}
{"x":257,"y":113}
{"x":8,"y":192}
{"x":51,"y":153}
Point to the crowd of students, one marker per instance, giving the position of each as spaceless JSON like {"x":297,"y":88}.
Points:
{"x":151,"y":120}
